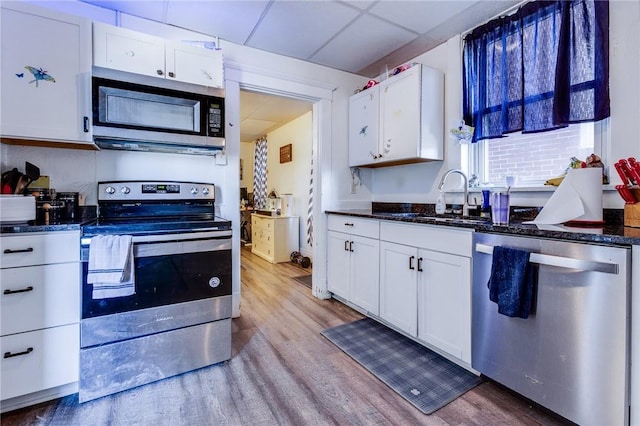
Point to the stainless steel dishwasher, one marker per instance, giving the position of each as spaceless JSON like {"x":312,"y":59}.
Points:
{"x":572,"y":354}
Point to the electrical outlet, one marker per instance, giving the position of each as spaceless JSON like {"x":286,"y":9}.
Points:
{"x":221,"y":158}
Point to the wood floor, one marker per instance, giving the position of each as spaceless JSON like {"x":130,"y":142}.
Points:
{"x":283,"y":372}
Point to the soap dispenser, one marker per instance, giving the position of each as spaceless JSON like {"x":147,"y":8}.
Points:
{"x":440,"y":204}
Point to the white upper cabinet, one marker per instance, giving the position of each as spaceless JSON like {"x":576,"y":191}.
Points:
{"x":409,"y":120}
{"x":363,"y":126}
{"x":45,"y":75}
{"x":193,"y":64}
{"x":127,"y":50}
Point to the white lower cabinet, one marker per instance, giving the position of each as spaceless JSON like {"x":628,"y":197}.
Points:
{"x":444,"y":303}
{"x":352,"y":259}
{"x":39,"y":359}
{"x":398,"y":286}
{"x":39,"y":317}
{"x":425,"y":284}
{"x":273,"y":238}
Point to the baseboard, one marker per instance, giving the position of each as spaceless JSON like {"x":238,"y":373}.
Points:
{"x":38,"y":397}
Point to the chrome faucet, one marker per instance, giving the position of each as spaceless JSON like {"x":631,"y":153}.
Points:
{"x":465,"y":204}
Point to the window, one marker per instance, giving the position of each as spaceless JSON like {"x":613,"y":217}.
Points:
{"x":534,"y":158}
{"x":536,"y":89}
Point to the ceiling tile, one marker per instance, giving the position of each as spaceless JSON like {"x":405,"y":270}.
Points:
{"x":398,"y":57}
{"x":252,"y":125}
{"x":150,"y":9}
{"x":419,"y":16}
{"x":360,"y":4}
{"x":368,"y":38}
{"x":230,"y":20}
{"x":299,"y":28}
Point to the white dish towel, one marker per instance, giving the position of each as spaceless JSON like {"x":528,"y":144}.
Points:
{"x":111,"y":266}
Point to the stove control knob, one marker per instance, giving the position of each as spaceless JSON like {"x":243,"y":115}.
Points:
{"x":205,"y":190}
{"x":194,"y":190}
{"x":125,"y":190}
{"x":110,"y":190}
{"x":214,"y":282}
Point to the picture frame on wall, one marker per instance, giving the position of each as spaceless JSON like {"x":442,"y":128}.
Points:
{"x":286,"y":154}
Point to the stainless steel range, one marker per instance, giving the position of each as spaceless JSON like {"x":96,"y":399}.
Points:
{"x":179,"y":317}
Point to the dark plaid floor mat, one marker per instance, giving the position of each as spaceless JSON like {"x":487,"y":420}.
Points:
{"x":304,"y":280}
{"x":421,"y":376}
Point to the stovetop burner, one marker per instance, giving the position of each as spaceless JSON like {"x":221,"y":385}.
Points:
{"x":145,"y":207}
{"x":148,"y":226}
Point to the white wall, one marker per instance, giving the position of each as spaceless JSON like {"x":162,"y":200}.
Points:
{"x":247,"y":150}
{"x":293,"y":177}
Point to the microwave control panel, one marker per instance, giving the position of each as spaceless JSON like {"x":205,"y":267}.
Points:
{"x":216,"y":118}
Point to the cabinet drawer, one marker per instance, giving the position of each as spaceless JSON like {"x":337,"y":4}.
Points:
{"x":439,"y":238}
{"x":54,"y":298}
{"x":262,"y":223}
{"x":52,"y":360}
{"x":39,"y":249}
{"x":354,"y":225}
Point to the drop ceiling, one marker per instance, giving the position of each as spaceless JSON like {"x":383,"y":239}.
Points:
{"x":261,"y":113}
{"x":361,"y":37}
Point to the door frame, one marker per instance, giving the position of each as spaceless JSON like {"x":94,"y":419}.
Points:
{"x":242,"y":77}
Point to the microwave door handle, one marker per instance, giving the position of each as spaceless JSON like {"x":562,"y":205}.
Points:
{"x":562,"y":262}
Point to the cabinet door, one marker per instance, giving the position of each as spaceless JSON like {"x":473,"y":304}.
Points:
{"x":400,"y":115}
{"x":126,"y":50}
{"x":338,"y":263}
{"x":398,"y":286}
{"x":363,"y":127}
{"x":45,"y":74}
{"x":365,"y":276}
{"x":39,"y":360}
{"x":444,"y":303}
{"x":33,"y":248}
{"x":192,"y":64}
{"x":36,"y":297}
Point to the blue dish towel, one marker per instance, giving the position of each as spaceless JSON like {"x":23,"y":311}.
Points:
{"x":511,"y":282}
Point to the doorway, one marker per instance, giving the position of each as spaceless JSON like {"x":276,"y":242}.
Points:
{"x":247,"y":78}
{"x":287,"y":124}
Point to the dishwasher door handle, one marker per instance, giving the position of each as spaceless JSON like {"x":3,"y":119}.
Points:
{"x":562,"y":262}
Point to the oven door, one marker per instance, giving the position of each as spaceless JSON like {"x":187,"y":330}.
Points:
{"x":180,"y":280}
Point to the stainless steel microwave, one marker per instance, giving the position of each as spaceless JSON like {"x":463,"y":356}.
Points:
{"x":134,"y":112}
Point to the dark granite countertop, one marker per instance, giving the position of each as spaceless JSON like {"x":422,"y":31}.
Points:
{"x":85,"y":215}
{"x":25,"y":227}
{"x":612,"y":233}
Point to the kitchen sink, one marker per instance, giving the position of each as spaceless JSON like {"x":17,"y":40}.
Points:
{"x":405,"y":214}
{"x":461,"y":219}
{"x":470,"y":220}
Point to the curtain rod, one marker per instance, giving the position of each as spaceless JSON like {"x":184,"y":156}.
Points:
{"x":506,"y":12}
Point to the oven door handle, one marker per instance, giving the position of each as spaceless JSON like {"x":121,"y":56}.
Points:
{"x":226,"y":234}
{"x":166,"y":248}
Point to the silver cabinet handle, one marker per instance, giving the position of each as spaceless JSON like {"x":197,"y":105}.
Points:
{"x":562,"y":262}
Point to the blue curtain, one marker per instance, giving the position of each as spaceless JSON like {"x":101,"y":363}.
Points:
{"x":542,"y":68}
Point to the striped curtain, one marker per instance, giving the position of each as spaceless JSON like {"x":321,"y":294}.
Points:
{"x":260,"y":173}
{"x":310,"y":208}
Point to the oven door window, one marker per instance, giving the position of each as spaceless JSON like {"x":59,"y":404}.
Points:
{"x":167,"y":273}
